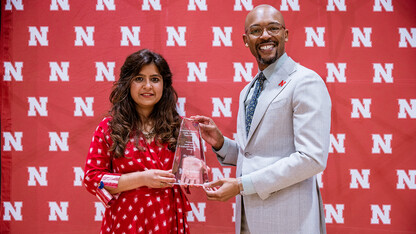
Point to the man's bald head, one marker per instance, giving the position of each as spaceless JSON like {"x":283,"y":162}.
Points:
{"x":261,"y":10}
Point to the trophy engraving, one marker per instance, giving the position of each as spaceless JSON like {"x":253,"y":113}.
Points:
{"x":189,"y":166}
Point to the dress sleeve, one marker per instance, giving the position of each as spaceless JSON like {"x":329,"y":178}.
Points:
{"x":98,"y":171}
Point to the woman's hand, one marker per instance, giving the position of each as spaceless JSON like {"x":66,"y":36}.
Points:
{"x":152,"y":178}
{"x":155,"y":178}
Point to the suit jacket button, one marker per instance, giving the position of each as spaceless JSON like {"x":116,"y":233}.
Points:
{"x":247,"y":154}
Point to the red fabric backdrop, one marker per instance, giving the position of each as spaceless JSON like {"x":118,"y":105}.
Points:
{"x":60,"y":58}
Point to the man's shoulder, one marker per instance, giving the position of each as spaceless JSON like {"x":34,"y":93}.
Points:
{"x":302,"y":69}
{"x":303,"y":73}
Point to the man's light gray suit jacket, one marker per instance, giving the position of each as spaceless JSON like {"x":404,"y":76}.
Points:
{"x":286,"y":147}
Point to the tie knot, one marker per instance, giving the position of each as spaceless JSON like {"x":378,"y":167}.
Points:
{"x":261,"y":77}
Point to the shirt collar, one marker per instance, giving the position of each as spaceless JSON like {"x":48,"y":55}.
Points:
{"x":272,"y":68}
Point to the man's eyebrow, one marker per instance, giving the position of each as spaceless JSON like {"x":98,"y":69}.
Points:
{"x":255,"y":25}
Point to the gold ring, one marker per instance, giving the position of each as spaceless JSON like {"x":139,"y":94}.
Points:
{"x":161,"y":183}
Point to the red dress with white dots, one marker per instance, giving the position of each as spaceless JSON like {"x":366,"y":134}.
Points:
{"x":141,"y":210}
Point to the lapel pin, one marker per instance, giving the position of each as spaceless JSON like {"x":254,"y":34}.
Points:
{"x":282,"y":83}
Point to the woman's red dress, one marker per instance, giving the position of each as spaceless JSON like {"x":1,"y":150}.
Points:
{"x":141,"y":210}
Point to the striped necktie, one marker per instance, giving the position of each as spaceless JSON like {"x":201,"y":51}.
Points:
{"x":253,"y":102}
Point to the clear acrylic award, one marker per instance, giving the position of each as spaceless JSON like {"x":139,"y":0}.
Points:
{"x":189,"y":166}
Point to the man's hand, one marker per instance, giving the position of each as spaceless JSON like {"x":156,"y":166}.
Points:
{"x":209,"y":131}
{"x":222,"y":190}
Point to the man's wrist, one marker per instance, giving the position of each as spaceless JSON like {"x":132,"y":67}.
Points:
{"x":220,"y":145}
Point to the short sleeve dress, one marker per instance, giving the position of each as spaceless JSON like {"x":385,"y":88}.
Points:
{"x":141,"y":210}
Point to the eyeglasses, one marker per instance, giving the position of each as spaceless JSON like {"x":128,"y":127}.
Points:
{"x":272,"y":30}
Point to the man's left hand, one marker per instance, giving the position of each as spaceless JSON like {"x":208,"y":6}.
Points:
{"x":222,"y":190}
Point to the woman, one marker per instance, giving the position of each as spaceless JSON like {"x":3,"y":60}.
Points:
{"x":132,"y":151}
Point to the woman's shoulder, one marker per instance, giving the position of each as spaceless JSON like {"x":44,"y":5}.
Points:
{"x":105,"y":122}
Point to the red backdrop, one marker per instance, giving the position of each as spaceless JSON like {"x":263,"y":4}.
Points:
{"x":60,"y":58}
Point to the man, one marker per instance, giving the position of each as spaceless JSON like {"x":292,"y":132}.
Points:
{"x":282,"y":141}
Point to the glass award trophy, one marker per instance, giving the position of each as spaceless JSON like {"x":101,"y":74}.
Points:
{"x":189,"y":165}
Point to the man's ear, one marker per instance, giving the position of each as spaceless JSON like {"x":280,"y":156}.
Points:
{"x":286,"y":35}
{"x":245,"y":39}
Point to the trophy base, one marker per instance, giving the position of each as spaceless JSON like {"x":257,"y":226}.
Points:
{"x":190,"y":185}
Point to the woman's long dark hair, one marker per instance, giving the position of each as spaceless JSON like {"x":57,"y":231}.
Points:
{"x":126,"y":122}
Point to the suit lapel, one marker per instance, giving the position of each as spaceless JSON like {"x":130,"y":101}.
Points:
{"x":276,"y":83}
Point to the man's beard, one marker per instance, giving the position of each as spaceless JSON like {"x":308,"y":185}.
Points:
{"x":267,"y":61}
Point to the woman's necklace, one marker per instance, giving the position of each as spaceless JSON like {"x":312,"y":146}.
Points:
{"x":150,"y":134}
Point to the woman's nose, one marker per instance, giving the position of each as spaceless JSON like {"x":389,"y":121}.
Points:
{"x":147,"y":84}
